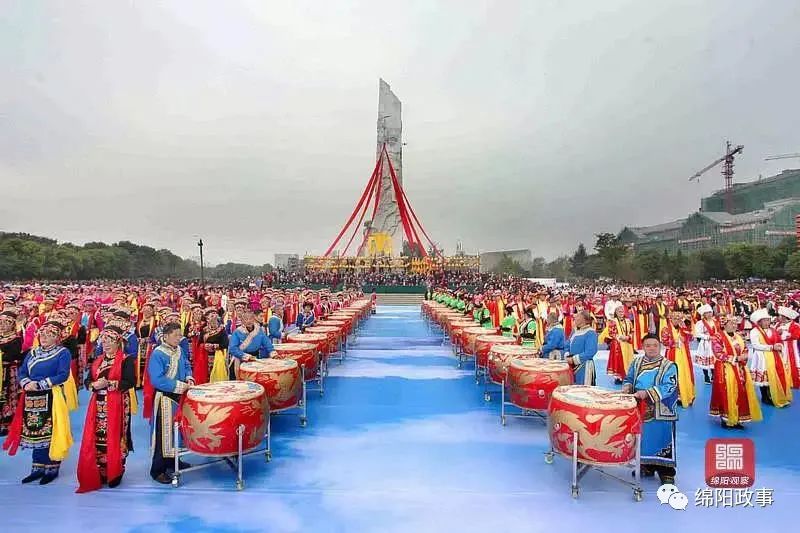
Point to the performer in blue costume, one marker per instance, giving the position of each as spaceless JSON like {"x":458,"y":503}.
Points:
{"x":248,"y":341}
{"x":129,"y":338}
{"x":554,"y":339}
{"x":307,"y":318}
{"x":653,"y":379}
{"x":275,"y":323}
{"x":582,"y":349}
{"x":171,"y":376}
{"x":41,"y":373}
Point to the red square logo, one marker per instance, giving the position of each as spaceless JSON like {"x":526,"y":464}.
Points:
{"x":730,"y":463}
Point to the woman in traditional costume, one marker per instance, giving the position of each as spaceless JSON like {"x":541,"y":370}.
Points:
{"x":766,"y":364}
{"x":107,"y":428}
{"x":197,"y":354}
{"x":145,"y":328}
{"x":509,"y":326}
{"x":10,"y":358}
{"x":733,"y":395}
{"x":527,"y":330}
{"x":41,"y":421}
{"x":789,"y":330}
{"x":618,"y":333}
{"x":673,"y":337}
{"x":215,"y":345}
{"x":705,"y":330}
{"x":582,"y":349}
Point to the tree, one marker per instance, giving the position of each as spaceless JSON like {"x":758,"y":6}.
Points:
{"x":578,"y":261}
{"x":739,"y":260}
{"x":506,"y":265}
{"x":792,"y":266}
{"x":713,"y":264}
{"x":559,"y":268}
{"x":648,"y":265}
{"x":611,"y":251}
{"x":539,"y":268}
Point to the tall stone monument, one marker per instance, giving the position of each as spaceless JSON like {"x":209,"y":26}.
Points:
{"x":387,"y":225}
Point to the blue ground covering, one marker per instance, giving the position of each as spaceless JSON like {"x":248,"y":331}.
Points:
{"x":403,"y":441}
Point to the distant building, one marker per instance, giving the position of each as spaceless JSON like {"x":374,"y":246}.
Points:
{"x":490,"y":260}
{"x":763,"y":213}
{"x":287,"y":261}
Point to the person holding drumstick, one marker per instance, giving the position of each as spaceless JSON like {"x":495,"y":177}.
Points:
{"x":249,"y":341}
{"x":171,"y":376}
{"x":653,"y":381}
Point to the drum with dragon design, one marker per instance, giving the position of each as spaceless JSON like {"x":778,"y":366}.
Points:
{"x":501,"y":355}
{"x":212,"y":413}
{"x":531,"y":382}
{"x":606,"y":422}
{"x":305,"y":353}
{"x":484,"y":343}
{"x":280,"y":378}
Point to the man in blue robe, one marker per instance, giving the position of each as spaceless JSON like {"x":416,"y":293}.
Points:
{"x":307,"y":318}
{"x":171,"y":376}
{"x":554,"y":339}
{"x":582,"y":349}
{"x":248,"y":341}
{"x":275,"y":323}
{"x":653,"y":379}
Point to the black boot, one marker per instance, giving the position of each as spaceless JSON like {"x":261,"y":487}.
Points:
{"x":766,"y":397}
{"x":114,"y":483}
{"x":48,"y":478}
{"x":33,"y":476}
{"x":706,"y":378}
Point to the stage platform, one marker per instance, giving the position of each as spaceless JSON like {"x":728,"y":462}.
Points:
{"x":403,"y":441}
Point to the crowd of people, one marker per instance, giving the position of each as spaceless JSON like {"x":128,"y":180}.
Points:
{"x":116,"y":339}
{"x":745,"y":340}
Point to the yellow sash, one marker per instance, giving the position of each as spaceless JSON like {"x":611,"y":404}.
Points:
{"x":134,"y":402}
{"x":70,"y":393}
{"x":61,"y":440}
{"x":685,"y":381}
{"x":219,"y":370}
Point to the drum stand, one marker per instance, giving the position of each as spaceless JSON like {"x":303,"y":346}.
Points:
{"x":524,"y":413}
{"x":322,"y":371}
{"x":234,"y":461}
{"x":301,"y":406}
{"x":579,"y":469}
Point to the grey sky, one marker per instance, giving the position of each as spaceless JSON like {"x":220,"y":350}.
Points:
{"x":529,"y":124}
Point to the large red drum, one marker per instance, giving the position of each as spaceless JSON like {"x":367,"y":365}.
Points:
{"x":332,"y":333}
{"x":279,"y":377}
{"x":532,"y":381}
{"x":501,"y":355}
{"x":606,"y":422}
{"x":483,"y":343}
{"x":456,"y":328}
{"x":347,"y":321}
{"x":306,"y":354}
{"x":470,"y":335}
{"x":212,"y":413}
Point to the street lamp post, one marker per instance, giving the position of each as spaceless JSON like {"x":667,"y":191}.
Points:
{"x":202,"y":268}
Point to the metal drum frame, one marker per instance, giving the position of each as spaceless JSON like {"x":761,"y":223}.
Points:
{"x":300,"y":408}
{"x":523,"y":412}
{"x":579,"y":468}
{"x":234,"y":461}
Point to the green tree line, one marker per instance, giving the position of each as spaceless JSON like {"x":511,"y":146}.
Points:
{"x":28,"y":257}
{"x":613,"y":259}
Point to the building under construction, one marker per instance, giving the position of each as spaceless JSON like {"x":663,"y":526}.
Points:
{"x":761,"y":212}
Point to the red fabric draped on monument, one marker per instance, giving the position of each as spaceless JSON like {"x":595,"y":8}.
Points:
{"x":372,"y":195}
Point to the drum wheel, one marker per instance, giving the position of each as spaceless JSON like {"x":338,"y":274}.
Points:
{"x":548,"y":458}
{"x":239,"y":484}
{"x":637,"y":494}
{"x":503,"y":420}
{"x":303,"y":422}
{"x":487,"y":397}
{"x":175,"y":480}
{"x":575,"y":492}
{"x":268,"y":456}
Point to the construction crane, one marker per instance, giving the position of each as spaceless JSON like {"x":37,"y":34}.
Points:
{"x":782,"y":156}
{"x":727,"y":172}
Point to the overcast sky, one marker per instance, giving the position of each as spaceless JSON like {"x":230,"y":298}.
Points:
{"x":529,"y":124}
